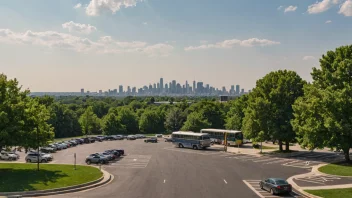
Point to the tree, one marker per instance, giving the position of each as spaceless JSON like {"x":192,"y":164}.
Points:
{"x":23,"y":120}
{"x":236,"y":113}
{"x":89,"y":122}
{"x":100,"y":108}
{"x":174,"y":119}
{"x":151,"y":121}
{"x":129,"y":119}
{"x":195,"y":122}
{"x":112,"y":125}
{"x":280,"y":89}
{"x":211,"y":111}
{"x":323,"y":115}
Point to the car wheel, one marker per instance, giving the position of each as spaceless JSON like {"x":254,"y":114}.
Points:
{"x":88,"y":162}
{"x":29,"y":161}
{"x":272,"y":191}
{"x":261,"y":186}
{"x":43,"y":161}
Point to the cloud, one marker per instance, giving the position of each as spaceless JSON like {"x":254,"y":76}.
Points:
{"x":322,"y":6}
{"x":103,"y":45}
{"x":346,"y":8}
{"x":307,"y":58}
{"x":95,"y":7}
{"x":145,"y":23}
{"x":78,"y":27}
{"x":290,"y":8}
{"x":328,"y":21}
{"x":78,"y":5}
{"x":280,"y":7}
{"x":227,"y":44}
{"x":203,"y":42}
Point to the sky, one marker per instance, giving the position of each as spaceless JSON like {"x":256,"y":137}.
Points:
{"x":63,"y":46}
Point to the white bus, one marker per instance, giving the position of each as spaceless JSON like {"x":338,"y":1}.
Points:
{"x":217,"y":135}
{"x":190,"y":140}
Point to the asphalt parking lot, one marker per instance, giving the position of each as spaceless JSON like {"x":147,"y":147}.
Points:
{"x":162,"y":170}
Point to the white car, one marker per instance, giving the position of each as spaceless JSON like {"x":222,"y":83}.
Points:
{"x":8,"y":156}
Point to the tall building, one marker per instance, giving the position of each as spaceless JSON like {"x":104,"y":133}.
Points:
{"x":166,"y":88}
{"x":199,"y":87}
{"x":161,"y":85}
{"x":237,"y":89}
{"x":170,"y":87}
{"x":194,"y":86}
{"x":242,"y":91}
{"x":207,"y":88}
{"x":173,"y":88}
{"x":82,"y":91}
{"x":178,"y":88}
{"x":100,"y":92}
{"x":232,"y":91}
{"x":134,"y":90}
{"x":150,"y":88}
{"x":187,"y":87}
{"x":128,"y":89}
{"x":120,"y":89}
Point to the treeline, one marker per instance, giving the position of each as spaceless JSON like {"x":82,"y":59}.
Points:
{"x":282,"y":107}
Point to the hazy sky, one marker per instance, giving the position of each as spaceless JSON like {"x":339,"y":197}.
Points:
{"x":51,"y":45}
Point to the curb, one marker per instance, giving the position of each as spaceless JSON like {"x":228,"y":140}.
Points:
{"x":294,"y":185}
{"x":69,"y":189}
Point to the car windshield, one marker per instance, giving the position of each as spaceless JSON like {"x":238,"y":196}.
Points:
{"x":280,"y":182}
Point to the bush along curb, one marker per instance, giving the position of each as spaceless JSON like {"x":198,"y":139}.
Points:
{"x":63,"y":190}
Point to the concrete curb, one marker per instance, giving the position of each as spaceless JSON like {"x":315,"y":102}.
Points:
{"x":294,"y":185}
{"x":107,"y":177}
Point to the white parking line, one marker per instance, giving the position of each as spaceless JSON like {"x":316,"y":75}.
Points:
{"x":250,"y":187}
{"x":266,"y":159}
{"x":164,"y":181}
{"x":225,"y":181}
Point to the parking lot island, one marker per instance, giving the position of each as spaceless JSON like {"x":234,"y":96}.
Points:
{"x":25,"y":180}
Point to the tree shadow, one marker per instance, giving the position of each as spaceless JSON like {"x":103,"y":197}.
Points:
{"x":15,"y":180}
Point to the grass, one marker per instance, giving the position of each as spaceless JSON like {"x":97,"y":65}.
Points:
{"x":25,"y":177}
{"x":337,"y":169}
{"x":332,"y":193}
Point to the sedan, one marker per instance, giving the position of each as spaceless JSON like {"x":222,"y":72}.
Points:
{"x":154,"y":140}
{"x":275,"y":186}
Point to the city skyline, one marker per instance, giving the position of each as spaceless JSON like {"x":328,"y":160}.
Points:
{"x":65,"y":45}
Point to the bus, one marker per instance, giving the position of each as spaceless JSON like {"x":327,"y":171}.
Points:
{"x":217,"y":135}
{"x":190,"y":139}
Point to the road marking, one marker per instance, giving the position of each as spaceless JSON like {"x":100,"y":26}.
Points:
{"x":164,"y":181}
{"x":266,"y":159}
{"x":225,"y":181}
{"x":250,"y":187}
{"x":134,"y":159}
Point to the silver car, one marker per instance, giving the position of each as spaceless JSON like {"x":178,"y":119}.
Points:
{"x":33,"y":157}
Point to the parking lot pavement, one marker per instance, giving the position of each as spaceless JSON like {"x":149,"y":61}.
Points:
{"x":317,"y":179}
{"x":255,"y":187}
{"x":132,"y":161}
{"x":303,"y":160}
{"x":208,"y":151}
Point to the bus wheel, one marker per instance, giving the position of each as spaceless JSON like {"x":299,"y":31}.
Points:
{"x":195,"y":147}
{"x":180,"y":145}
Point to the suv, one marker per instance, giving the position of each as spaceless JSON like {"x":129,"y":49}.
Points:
{"x":33,"y":157}
{"x":131,"y":137}
{"x":8,"y":156}
{"x":153,"y":139}
{"x":96,"y":158}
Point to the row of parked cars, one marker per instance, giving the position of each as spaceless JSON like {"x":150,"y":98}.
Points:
{"x":8,"y":155}
{"x":104,"y":157}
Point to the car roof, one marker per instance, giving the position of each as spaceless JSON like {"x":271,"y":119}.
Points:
{"x":276,"y":179}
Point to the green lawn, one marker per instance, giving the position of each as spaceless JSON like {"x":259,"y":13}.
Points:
{"x":332,"y":193}
{"x":25,"y":177}
{"x":337,"y":169}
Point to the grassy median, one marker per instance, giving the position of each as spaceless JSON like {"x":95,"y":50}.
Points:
{"x":332,"y":193}
{"x":25,"y":177}
{"x":337,"y":169}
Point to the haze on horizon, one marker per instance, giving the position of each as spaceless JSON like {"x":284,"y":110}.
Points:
{"x":63,"y":46}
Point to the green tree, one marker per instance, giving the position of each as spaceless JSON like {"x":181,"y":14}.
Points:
{"x":151,"y":121}
{"x":100,"y":108}
{"x":280,"y":89}
{"x":195,"y":122}
{"x":23,"y":120}
{"x":236,"y":113}
{"x":174,"y":119}
{"x":89,"y":122}
{"x":112,"y":125}
{"x":211,"y":111}
{"x":323,"y":115}
{"x":129,"y":119}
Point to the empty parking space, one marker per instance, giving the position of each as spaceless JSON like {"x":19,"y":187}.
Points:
{"x":132,"y":161}
{"x":255,"y":187}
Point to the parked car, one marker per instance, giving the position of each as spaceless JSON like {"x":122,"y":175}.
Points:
{"x":110,"y":137}
{"x":168,"y":140}
{"x":119,"y":137}
{"x":33,"y":157}
{"x":8,"y":156}
{"x":121,"y":151}
{"x":108,"y":155}
{"x":153,"y":139}
{"x":96,"y":158}
{"x":63,"y":145}
{"x":131,"y":137}
{"x":54,"y":146}
{"x":114,"y":152}
{"x":245,"y":141}
{"x":275,"y":186}
{"x":158,"y":135}
{"x":89,"y":140}
{"x":47,"y":150}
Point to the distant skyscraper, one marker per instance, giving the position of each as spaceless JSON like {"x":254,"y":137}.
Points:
{"x":224,"y":90}
{"x":237,"y":89}
{"x":232,"y":91}
{"x":128,"y":89}
{"x":187,"y":87}
{"x":173,"y":87}
{"x":100,"y":92}
{"x":207,"y":88}
{"x":194,"y":86}
{"x":166,"y":88}
{"x":199,"y":87}
{"x":242,"y":91}
{"x":120,"y":89}
{"x":82,"y":91}
{"x":178,"y":88}
{"x":161,"y":85}
{"x":170,"y":87}
{"x":134,"y":90}
{"x":150,"y":88}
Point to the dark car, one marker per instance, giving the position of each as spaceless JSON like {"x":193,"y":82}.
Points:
{"x":110,"y":138}
{"x":114,"y":152}
{"x":154,"y":140}
{"x":168,"y":140}
{"x":121,"y":151}
{"x":275,"y":186}
{"x":89,"y":140}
